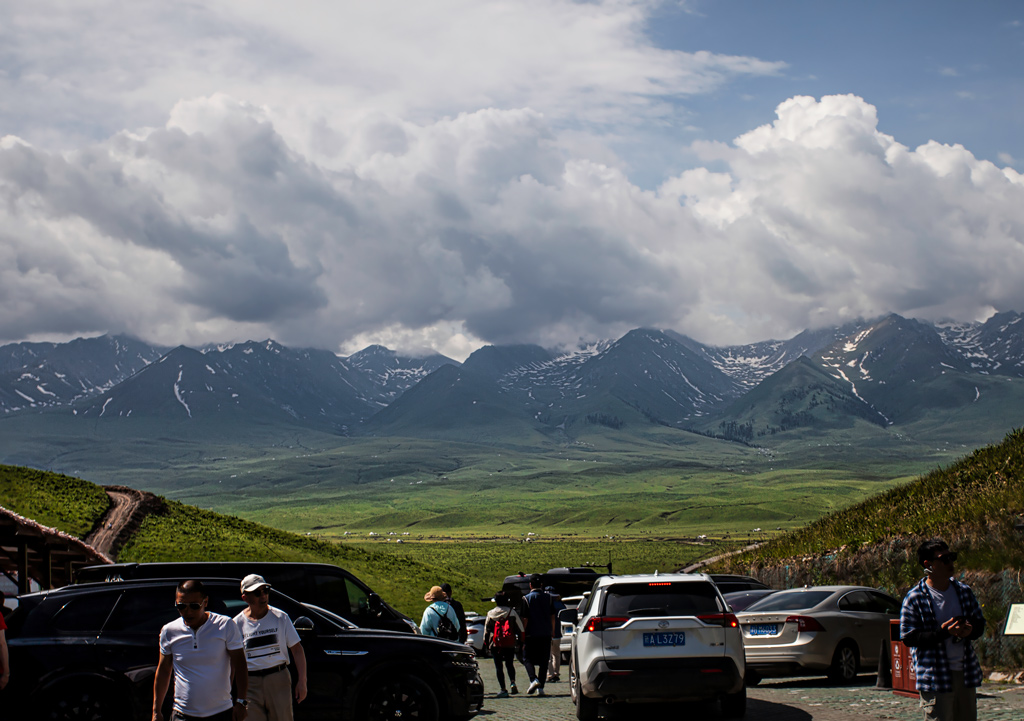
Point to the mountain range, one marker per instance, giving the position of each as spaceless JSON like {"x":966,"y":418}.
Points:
{"x":890,"y":371}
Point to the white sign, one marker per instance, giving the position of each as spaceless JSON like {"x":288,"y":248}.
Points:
{"x":1015,"y":620}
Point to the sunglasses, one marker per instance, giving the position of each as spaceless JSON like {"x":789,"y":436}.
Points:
{"x":192,"y":605}
{"x":946,"y":557}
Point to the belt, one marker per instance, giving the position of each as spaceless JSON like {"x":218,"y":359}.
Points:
{"x":268,"y":671}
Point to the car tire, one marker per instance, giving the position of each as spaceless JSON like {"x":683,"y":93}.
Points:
{"x":845,"y":663}
{"x":404,"y":696}
{"x":586,"y":708}
{"x":81,"y":701}
{"x":751,"y":679}
{"x":734,"y":705}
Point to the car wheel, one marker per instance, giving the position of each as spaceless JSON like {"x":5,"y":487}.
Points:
{"x":402,"y":697}
{"x":751,"y":678}
{"x":80,"y":701}
{"x":845,"y":663}
{"x":734,"y":705}
{"x":586,"y":708}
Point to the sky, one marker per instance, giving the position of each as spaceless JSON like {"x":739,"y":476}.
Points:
{"x":445,"y":174}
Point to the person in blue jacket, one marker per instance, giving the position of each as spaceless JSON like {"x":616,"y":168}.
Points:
{"x":439,"y":608}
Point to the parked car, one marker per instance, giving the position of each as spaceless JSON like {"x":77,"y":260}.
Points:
{"x":89,"y":651}
{"x":739,"y":600}
{"x":568,"y":627}
{"x":566,"y":581}
{"x":655,"y":638}
{"x":325,"y":585}
{"x":475,"y":629}
{"x":727,"y":583}
{"x":833,"y":630}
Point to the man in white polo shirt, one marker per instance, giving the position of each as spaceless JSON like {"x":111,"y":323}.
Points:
{"x":268,"y":635}
{"x":204,"y":650}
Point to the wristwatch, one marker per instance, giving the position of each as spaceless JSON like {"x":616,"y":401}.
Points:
{"x":244,"y":702}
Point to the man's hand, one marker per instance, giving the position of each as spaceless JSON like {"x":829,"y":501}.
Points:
{"x":4,"y":678}
{"x":158,"y":715}
{"x":239,"y":712}
{"x":300,"y":690}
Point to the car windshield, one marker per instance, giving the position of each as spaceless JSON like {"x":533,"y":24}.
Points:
{"x":661,"y":599}
{"x":789,"y":601}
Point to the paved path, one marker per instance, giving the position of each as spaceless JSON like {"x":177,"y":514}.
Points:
{"x":800,"y":699}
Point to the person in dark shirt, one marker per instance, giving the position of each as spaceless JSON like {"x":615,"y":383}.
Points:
{"x":460,"y":613}
{"x":540,"y":628}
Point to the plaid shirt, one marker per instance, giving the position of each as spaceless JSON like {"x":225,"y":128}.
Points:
{"x":930,"y":663}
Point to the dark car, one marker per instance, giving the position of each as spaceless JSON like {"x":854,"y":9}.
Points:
{"x":89,"y":651}
{"x":566,"y":581}
{"x":728,"y":583}
{"x":739,"y":600}
{"x":322,"y":584}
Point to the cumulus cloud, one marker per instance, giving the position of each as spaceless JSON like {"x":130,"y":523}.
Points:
{"x":339,"y":174}
{"x":478,"y":228}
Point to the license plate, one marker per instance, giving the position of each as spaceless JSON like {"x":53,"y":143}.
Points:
{"x":764,"y":629}
{"x":665,"y":639}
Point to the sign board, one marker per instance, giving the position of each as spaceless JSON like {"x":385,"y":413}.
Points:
{"x":1015,"y":620}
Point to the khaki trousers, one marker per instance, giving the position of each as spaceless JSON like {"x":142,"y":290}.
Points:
{"x":960,"y":704}
{"x":270,"y":697}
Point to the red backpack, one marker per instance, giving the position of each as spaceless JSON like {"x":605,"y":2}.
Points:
{"x":504,"y":632}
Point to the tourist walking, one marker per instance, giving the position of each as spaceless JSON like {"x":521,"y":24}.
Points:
{"x":460,"y":612}
{"x":203,"y":651}
{"x":438,"y":618}
{"x":268,"y":636}
{"x":503,"y":633}
{"x":555,"y":660}
{"x":540,"y":628}
{"x":939,"y":619}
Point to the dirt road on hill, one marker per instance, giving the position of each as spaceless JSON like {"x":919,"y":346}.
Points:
{"x":122,"y":519}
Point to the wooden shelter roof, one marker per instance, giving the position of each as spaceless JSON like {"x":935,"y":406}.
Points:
{"x":29,"y":550}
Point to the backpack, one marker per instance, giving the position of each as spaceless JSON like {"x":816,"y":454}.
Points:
{"x":504,"y":632}
{"x":445,"y":628}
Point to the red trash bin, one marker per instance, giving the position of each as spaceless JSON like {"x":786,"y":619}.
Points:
{"x":904,"y":679}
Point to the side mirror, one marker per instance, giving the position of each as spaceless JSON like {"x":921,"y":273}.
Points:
{"x":375,"y":605}
{"x":569,"y":615}
{"x":303,"y":624}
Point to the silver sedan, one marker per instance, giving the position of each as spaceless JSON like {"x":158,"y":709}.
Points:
{"x":833,"y":630}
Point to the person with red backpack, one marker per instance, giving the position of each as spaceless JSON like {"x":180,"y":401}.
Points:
{"x":503,"y":633}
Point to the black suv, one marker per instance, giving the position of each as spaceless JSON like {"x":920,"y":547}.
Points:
{"x":89,"y":651}
{"x":323,"y":584}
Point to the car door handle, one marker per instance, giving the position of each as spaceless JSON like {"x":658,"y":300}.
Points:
{"x":343,"y":652}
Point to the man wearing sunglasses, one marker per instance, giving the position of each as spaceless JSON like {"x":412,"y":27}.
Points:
{"x":269,"y":635}
{"x":204,"y":650}
{"x":939,"y":619}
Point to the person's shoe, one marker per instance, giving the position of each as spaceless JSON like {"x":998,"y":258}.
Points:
{"x":534,"y":685}
{"x":513,"y":689}
{"x":502,"y":694}
{"x":540,"y":691}
{"x":553,"y":679}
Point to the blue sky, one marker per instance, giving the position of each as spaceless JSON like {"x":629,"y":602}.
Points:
{"x":446,"y":174}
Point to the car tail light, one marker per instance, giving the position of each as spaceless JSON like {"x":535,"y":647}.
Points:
{"x":805,"y":623}
{"x":725,"y":620}
{"x":600,"y":623}
{"x":473,"y":631}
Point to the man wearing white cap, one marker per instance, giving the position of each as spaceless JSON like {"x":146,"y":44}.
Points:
{"x":268,"y":635}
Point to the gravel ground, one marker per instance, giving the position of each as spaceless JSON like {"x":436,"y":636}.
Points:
{"x":791,"y":699}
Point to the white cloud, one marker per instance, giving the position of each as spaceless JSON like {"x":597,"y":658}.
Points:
{"x":478,"y":228}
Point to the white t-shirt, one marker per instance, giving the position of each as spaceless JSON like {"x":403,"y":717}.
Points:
{"x":268,"y":639}
{"x":202,"y":670}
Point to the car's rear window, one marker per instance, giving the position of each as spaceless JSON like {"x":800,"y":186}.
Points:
{"x":789,"y":601}
{"x":661,"y":599}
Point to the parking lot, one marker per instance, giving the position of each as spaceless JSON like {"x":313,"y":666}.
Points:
{"x":791,"y":699}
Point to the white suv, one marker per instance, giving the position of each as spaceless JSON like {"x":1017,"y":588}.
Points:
{"x":656,"y":638}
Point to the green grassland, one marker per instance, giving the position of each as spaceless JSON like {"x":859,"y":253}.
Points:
{"x":592,"y":480}
{"x":70,"y":504}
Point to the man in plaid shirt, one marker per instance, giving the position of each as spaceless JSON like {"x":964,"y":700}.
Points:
{"x":939,"y":619}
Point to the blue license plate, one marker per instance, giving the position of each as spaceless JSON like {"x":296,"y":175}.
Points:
{"x":669,"y":638}
{"x":764,"y":629}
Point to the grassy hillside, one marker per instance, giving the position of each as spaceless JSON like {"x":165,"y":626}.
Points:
{"x":974,"y":503}
{"x":67,"y":504}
